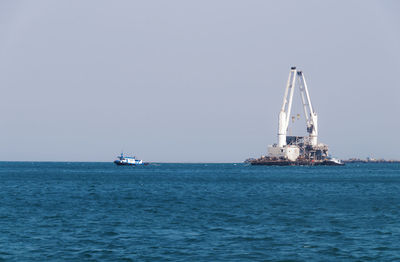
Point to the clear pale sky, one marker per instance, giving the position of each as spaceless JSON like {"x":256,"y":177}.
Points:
{"x":193,"y":81}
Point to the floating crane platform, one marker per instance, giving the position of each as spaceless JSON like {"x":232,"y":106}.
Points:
{"x":297,"y":150}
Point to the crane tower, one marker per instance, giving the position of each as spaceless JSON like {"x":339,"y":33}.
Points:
{"x":293,"y":148}
{"x":297,"y":77}
{"x":297,"y":150}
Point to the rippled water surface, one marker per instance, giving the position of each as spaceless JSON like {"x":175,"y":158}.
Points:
{"x":198,"y":212}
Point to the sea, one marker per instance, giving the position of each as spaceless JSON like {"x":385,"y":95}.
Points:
{"x":198,"y":212}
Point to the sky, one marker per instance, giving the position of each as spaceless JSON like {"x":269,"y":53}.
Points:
{"x":194,"y":81}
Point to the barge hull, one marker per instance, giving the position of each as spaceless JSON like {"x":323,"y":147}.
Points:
{"x":293,"y":163}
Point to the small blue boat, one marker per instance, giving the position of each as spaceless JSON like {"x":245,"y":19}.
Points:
{"x":128,"y":161}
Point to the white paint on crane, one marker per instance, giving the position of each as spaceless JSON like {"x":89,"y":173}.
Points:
{"x":292,"y":152}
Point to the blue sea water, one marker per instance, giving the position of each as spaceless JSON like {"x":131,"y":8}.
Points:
{"x":198,"y":212}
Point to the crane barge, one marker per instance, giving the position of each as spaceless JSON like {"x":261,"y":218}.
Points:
{"x":297,"y":150}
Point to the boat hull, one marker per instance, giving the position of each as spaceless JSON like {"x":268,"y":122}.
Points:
{"x":120,"y":163}
{"x":270,"y":162}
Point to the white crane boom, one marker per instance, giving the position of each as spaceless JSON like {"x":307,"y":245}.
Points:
{"x":312,"y":121}
{"x":286,"y":108}
{"x":284,"y":115}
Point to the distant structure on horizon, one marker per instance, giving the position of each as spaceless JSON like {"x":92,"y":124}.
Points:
{"x":370,"y":160}
{"x":297,"y":150}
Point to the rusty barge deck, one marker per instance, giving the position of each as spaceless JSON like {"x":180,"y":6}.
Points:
{"x":265,"y":161}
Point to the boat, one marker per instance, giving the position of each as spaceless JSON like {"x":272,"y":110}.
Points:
{"x":331,"y":161}
{"x":297,"y":150}
{"x":128,"y":161}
